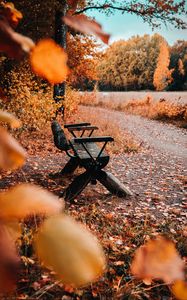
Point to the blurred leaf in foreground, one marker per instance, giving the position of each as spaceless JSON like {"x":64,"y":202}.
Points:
{"x":9,"y":260}
{"x":49,"y":61}
{"x":158,"y":259}
{"x":9,"y":119}
{"x":85,"y":25}
{"x":12,"y":15}
{"x":70,"y":250}
{"x":26,"y":199}
{"x":179,"y":289}
{"x":19,"y":202}
{"x":13,"y":44}
{"x":12,"y":155}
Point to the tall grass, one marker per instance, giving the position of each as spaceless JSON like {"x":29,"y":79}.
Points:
{"x":147,"y":107}
{"x":123,"y":141}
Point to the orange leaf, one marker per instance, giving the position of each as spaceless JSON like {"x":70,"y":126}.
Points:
{"x":12,"y":15}
{"x":179,"y":289}
{"x":83,"y":24}
{"x":12,"y":155}
{"x":10,"y":119}
{"x":70,"y":250}
{"x":26,"y":199}
{"x":49,"y":61}
{"x":12,"y":43}
{"x":158,"y":259}
{"x":9,"y":261}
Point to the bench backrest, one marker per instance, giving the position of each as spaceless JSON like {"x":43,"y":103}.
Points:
{"x":59,"y":136}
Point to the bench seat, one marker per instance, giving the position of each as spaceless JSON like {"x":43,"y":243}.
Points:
{"x":93,"y":149}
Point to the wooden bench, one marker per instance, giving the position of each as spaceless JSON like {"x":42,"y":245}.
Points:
{"x":84,"y":151}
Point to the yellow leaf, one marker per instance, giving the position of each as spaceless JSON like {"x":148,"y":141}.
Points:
{"x":158,"y":259}
{"x":27,"y":199}
{"x":49,"y":61}
{"x":179,"y":289}
{"x":12,"y":155}
{"x":10,"y":119}
{"x":70,"y":250}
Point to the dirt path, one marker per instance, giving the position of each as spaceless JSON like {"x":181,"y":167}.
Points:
{"x":161,"y":137}
{"x":156,"y":175}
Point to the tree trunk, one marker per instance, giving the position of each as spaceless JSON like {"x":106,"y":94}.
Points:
{"x":60,"y":38}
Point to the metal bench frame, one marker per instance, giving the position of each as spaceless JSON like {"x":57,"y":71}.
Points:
{"x":84,"y":152}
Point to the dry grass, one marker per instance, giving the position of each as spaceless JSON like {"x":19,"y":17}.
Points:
{"x":123,"y":141}
{"x":158,"y":110}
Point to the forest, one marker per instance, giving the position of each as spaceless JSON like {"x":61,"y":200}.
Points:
{"x":144,"y":63}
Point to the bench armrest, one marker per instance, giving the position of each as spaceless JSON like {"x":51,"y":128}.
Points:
{"x":93,"y":139}
{"x":76,"y":125}
{"x":80,"y":128}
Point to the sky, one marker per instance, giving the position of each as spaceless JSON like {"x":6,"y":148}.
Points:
{"x":126,"y":25}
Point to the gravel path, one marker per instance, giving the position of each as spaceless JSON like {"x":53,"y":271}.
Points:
{"x":158,"y":174}
{"x":161,"y":137}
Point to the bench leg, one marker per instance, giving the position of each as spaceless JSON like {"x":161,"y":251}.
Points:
{"x":77,"y":186}
{"x":113,"y":184}
{"x":69,"y":168}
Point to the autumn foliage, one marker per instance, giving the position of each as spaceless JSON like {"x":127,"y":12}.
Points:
{"x":162,"y":75}
{"x":62,"y":244}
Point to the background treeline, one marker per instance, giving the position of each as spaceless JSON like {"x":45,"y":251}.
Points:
{"x":143,"y":62}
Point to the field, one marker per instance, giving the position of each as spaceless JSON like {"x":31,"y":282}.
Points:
{"x":179,"y":97}
{"x":170,"y":107}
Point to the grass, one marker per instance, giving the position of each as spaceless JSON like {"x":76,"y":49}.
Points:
{"x":123,"y":141}
{"x":117,"y":282}
{"x":164,"y":110}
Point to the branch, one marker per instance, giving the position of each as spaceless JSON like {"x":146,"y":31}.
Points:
{"x":148,"y":13}
{"x":103,"y":7}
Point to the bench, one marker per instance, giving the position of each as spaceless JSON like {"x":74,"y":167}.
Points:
{"x":87,"y":151}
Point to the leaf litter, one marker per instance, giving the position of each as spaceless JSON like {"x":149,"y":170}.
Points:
{"x":158,"y":206}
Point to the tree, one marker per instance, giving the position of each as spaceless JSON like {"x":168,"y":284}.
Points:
{"x":43,"y":13}
{"x":130,"y":64}
{"x":178,"y":62}
{"x":162,"y":75}
{"x":83,"y":53}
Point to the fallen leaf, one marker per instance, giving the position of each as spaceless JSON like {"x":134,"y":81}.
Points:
{"x":10,"y":119}
{"x":158,"y":259}
{"x":70,"y":250}
{"x":12,"y":155}
{"x":49,"y":61}
{"x":27,"y":199}
{"x":179,"y":289}
{"x":12,"y":43}
{"x":85,"y":25}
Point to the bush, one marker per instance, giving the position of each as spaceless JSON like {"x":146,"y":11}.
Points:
{"x":31,"y":98}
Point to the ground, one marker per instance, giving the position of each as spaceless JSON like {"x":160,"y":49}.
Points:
{"x":156,"y":175}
